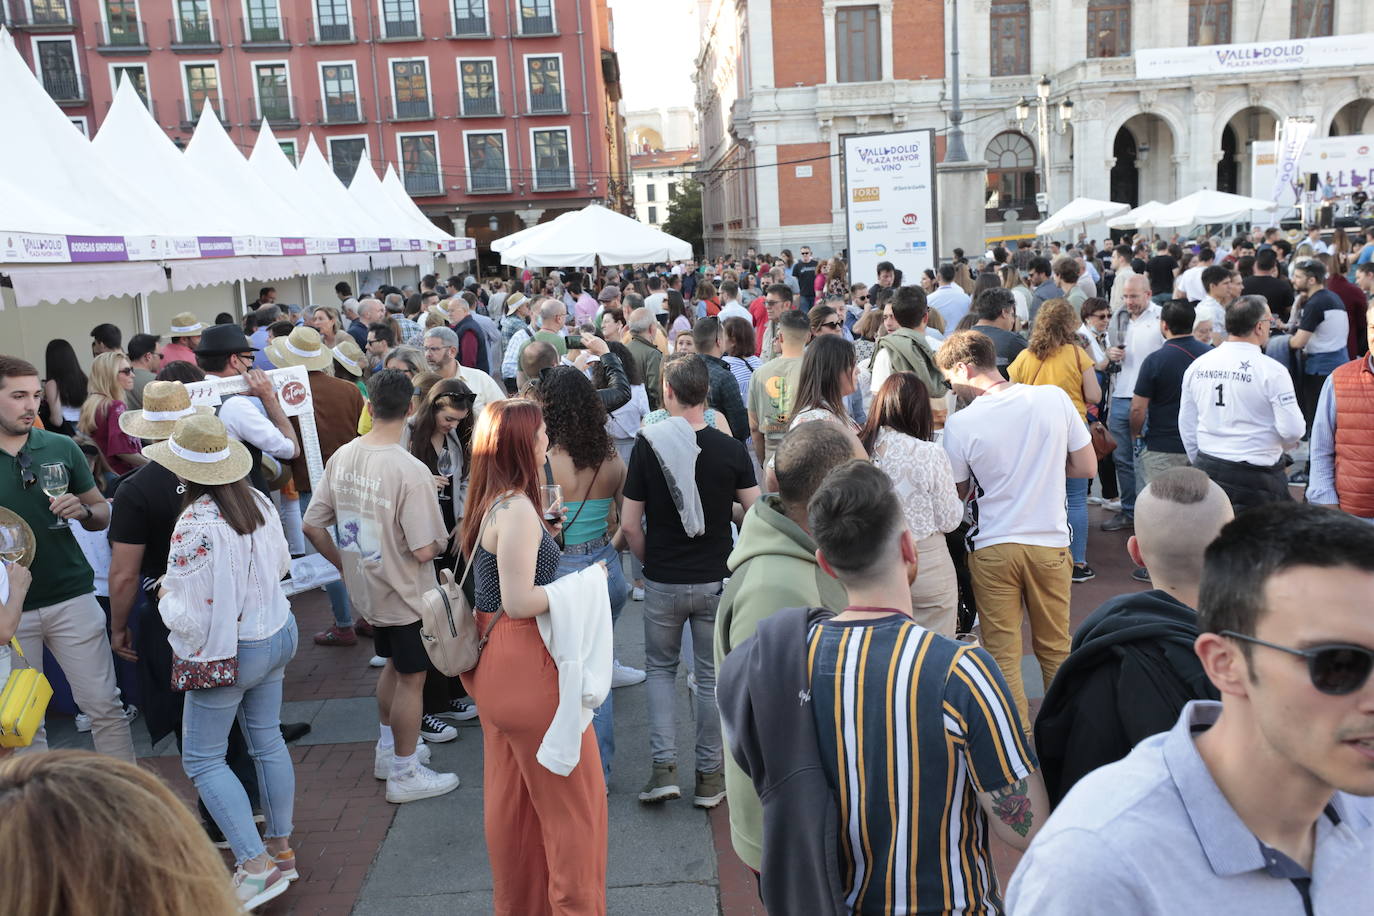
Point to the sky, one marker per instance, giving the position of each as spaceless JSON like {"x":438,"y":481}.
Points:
{"x":656,"y":41}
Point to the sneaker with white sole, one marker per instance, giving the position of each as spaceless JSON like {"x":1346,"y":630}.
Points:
{"x":625,"y":676}
{"x":461,"y":710}
{"x":436,"y":730}
{"x":381,"y":759}
{"x":710,"y":789}
{"x":286,"y":864}
{"x":662,"y":785}
{"x":83,"y":721}
{"x":637,"y":593}
{"x":252,"y":891}
{"x":418,"y":782}
{"x":1096,"y":500}
{"x":376,"y":661}
{"x":1112,"y":505}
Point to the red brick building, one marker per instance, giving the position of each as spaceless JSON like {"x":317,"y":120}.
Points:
{"x":496,"y":113}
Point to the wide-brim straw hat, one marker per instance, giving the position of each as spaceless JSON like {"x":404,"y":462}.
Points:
{"x":444,"y":317}
{"x":349,"y":354}
{"x":184,"y":324}
{"x":302,"y":347}
{"x":10,"y":517}
{"x":164,"y":403}
{"x":514,"y":301}
{"x":199,"y":450}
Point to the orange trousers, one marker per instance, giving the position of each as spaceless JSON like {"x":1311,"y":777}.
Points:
{"x":546,"y":834}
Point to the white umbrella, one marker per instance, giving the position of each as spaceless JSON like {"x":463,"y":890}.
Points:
{"x":1080,"y":212}
{"x":579,"y":239}
{"x":1211,"y":207}
{"x":1142,"y":217}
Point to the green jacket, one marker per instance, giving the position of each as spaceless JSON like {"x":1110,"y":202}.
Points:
{"x":910,"y":352}
{"x":650,"y":360}
{"x":773,"y":566}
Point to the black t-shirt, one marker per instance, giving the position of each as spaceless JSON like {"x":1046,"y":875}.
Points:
{"x":1161,"y":269}
{"x":146,"y":507}
{"x":1008,"y":345}
{"x":670,"y":556}
{"x":1161,"y":380}
{"x":1277,"y":291}
{"x":804,"y":272}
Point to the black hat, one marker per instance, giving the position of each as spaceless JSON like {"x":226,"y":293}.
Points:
{"x":223,"y":339}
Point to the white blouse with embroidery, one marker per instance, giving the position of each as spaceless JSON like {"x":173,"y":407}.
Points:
{"x":924,"y":482}
{"x":222,"y":587}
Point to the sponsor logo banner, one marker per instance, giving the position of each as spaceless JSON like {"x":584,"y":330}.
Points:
{"x":23,"y":247}
{"x":216,"y":246}
{"x":890,"y":209}
{"x":86,"y":248}
{"x":1256,"y":57}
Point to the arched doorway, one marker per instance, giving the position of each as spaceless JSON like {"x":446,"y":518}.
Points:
{"x":1357,"y":117}
{"x":1228,"y":167}
{"x":1152,"y":159}
{"x":1247,"y":126}
{"x":1012,"y":180}
{"x":1125,"y":180}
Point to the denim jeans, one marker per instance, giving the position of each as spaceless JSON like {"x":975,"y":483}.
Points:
{"x":337,"y":592}
{"x":1119,"y":425}
{"x":603,"y":719}
{"x":1076,"y":490}
{"x":666,"y":608}
{"x":255,"y":700}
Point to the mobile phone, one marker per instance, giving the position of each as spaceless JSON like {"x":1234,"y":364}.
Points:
{"x":574,"y":342}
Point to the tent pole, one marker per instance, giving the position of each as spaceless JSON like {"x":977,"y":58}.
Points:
{"x":145,"y":320}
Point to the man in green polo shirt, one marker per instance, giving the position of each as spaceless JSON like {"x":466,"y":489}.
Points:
{"x":60,"y":611}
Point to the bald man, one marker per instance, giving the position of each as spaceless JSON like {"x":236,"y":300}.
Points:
{"x":1132,"y":667}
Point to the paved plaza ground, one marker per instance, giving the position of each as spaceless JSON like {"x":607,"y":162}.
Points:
{"x":359,"y":854}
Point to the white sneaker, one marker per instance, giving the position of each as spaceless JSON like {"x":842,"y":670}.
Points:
{"x":1095,"y":500}
{"x":433,"y":728}
{"x":83,"y":722}
{"x":637,"y":593}
{"x":381,"y":760}
{"x":419,"y":782}
{"x":1112,"y":505}
{"x":376,"y":661}
{"x":252,"y":891}
{"x":625,"y":676}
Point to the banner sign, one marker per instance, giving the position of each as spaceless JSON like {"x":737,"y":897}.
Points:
{"x":890,"y":202}
{"x":1257,"y":57}
{"x":1292,"y":140}
{"x":40,"y":248}
{"x":293,"y":394}
{"x":1343,"y":166}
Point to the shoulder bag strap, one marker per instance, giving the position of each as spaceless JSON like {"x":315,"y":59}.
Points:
{"x":582,"y":504}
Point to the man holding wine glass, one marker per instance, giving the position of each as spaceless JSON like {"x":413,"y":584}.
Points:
{"x":44,"y":479}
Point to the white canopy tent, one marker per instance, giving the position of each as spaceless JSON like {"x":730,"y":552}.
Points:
{"x":581,"y":238}
{"x":1207,"y":206}
{"x":1144,"y":216}
{"x":1083,"y":211}
{"x":526,"y":234}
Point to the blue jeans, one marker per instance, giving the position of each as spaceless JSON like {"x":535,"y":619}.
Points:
{"x":1076,"y":491}
{"x":603,"y":719}
{"x":1119,"y":425}
{"x":255,"y":700}
{"x":338,"y":594}
{"x":666,"y":608}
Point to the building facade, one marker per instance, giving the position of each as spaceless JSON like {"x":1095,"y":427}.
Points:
{"x":656,"y":175}
{"x":496,"y":114}
{"x":780,"y":82}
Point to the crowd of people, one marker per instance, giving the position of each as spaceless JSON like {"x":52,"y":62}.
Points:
{"x":838,"y":502}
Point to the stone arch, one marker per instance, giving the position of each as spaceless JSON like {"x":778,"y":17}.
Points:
{"x":1353,"y":116}
{"x":1012,"y":176}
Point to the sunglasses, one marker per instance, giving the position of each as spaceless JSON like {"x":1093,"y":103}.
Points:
{"x":832,"y":325}
{"x":860,"y":298}
{"x":1102,"y":314}
{"x":1335,"y":670}
{"x":126,"y":371}
{"x":25,"y":462}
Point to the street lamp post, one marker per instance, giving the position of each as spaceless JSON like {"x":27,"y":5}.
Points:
{"x":954,"y":143}
{"x":1042,"y":123}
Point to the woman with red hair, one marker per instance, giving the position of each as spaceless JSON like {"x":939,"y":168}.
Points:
{"x":546,"y":834}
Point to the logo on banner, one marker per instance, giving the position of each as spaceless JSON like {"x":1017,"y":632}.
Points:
{"x":880,"y":249}
{"x":909,"y":219}
{"x":871,"y":225}
{"x":865,"y":195}
{"x":293,"y":394}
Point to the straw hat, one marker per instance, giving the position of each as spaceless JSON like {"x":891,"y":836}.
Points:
{"x":514,"y":301}
{"x":443,"y":317}
{"x":163,"y":404}
{"x":10,"y":517}
{"x":200,"y":451}
{"x":184,"y":324}
{"x":349,"y":354}
{"x":302,"y":347}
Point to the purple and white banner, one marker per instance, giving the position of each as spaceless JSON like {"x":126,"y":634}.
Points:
{"x":86,"y":248}
{"x":1256,"y":57}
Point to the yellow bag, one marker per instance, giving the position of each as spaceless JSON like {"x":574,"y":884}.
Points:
{"x":23,"y":702}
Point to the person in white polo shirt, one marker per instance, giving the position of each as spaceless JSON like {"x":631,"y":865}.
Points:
{"x":1134,"y":333}
{"x":1239,"y":413}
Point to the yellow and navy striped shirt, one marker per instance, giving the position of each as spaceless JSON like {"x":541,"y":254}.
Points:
{"x":912,"y":726}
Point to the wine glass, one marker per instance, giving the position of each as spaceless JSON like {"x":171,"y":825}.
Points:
{"x":446,"y":470}
{"x":551,"y":495}
{"x":53,"y":480}
{"x":14,"y":542}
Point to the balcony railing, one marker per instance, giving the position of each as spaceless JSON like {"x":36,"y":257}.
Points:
{"x":546,"y":103}
{"x":279,"y":111}
{"x":556,"y":179}
{"x":188,"y":122}
{"x":332,"y":32}
{"x":536,"y":25}
{"x":484,"y":106}
{"x":469,"y":26}
{"x":336,"y":111}
{"x":51,"y":19}
{"x":488,"y":179}
{"x":423,"y":184}
{"x":410,"y":109}
{"x":66,"y":88}
{"x":124,"y":36}
{"x":400,"y":29}
{"x":194,"y":34}
{"x":260,"y":33}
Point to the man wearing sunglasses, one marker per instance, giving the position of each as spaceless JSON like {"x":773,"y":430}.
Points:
{"x":1263,"y":802}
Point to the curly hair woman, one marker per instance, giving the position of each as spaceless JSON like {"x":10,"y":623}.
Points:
{"x":1056,"y":356}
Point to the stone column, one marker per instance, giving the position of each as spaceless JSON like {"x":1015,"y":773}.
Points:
{"x":961,"y":186}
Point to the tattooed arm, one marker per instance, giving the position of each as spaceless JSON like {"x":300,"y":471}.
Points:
{"x":1017,"y":811}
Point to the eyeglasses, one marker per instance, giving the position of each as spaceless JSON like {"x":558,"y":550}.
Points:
{"x":860,"y":298}
{"x":25,"y":462}
{"x":1335,"y":670}
{"x":126,"y":371}
{"x":1101,"y":314}
{"x":832,"y":325}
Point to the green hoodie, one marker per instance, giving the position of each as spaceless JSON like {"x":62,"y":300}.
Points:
{"x":773,"y":566}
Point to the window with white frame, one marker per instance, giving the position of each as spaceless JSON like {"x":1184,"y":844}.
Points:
{"x":289,"y":148}
{"x":122,"y":26}
{"x":651,"y":191}
{"x":345,"y":153}
{"x":536,"y":17}
{"x":486,"y":154}
{"x":552,"y":159}
{"x":193,"y":22}
{"x":469,"y":17}
{"x":419,"y":157}
{"x":136,"y":74}
{"x":202,"y":85}
{"x":410,"y":86}
{"x":653,"y":215}
{"x":333,"y":20}
{"x":274,"y":91}
{"x":400,"y":19}
{"x":544,"y":77}
{"x":477,"y":86}
{"x":858,"y":44}
{"x":49,"y":12}
{"x":264,"y":21}
{"x":339,"y":88}
{"x":57,"y":68}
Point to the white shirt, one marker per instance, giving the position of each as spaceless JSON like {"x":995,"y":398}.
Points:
{"x":923,"y":481}
{"x":655,"y":304}
{"x":1211,"y":310}
{"x":1142,"y":338}
{"x":1118,"y":298}
{"x":734,"y":310}
{"x":1012,"y":444}
{"x":1238,"y":405}
{"x":482,"y":385}
{"x":951,"y":302}
{"x":1190,"y":281}
{"x":245,"y":420}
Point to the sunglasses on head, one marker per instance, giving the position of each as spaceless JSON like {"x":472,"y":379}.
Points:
{"x":1335,"y":670}
{"x":25,"y":462}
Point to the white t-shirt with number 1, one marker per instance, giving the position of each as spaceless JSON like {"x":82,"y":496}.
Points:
{"x":1238,"y":405}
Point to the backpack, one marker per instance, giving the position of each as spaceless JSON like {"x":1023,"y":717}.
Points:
{"x":448,"y":626}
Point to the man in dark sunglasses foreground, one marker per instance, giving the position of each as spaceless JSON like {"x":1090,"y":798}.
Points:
{"x":1263,"y":802}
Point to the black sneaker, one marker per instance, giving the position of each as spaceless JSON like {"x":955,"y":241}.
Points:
{"x":435,"y":730}
{"x":1083,"y":573}
{"x":461,"y":710}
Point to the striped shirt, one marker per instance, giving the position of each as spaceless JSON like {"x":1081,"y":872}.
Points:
{"x":912,"y":726}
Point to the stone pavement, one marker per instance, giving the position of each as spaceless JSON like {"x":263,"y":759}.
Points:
{"x":359,"y":854}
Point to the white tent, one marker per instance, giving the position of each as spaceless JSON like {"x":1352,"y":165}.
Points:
{"x":1080,"y":212}
{"x":367,"y":190}
{"x":1142,"y":217}
{"x":528,"y":233}
{"x":594,"y":233}
{"x":1207,"y":206}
